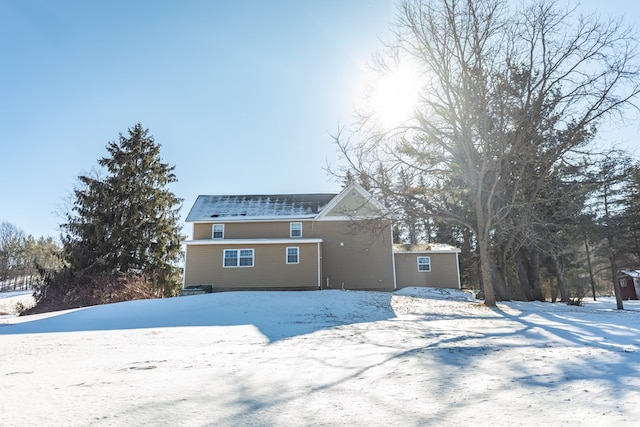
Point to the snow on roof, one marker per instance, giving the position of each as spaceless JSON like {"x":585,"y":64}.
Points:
{"x":274,"y":206}
{"x":632,"y":273}
{"x":429,"y":247}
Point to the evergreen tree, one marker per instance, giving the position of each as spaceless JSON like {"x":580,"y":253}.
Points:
{"x":126,"y":222}
{"x":631,"y":217}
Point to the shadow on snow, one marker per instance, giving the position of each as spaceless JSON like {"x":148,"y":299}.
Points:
{"x":276,"y":314}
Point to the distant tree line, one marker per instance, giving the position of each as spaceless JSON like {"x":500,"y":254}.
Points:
{"x":25,"y":259}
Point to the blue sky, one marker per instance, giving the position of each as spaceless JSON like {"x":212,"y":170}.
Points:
{"x":242,"y":95}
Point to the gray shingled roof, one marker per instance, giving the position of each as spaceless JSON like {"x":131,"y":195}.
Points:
{"x":217,"y":208}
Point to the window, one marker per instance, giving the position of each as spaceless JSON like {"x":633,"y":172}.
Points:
{"x":238,"y":258}
{"x":246,"y":257}
{"x":424,"y":263}
{"x":218,"y":231}
{"x":295,"y":229}
{"x":293,"y":255}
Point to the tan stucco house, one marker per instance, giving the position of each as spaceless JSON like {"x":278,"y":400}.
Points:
{"x":306,"y":241}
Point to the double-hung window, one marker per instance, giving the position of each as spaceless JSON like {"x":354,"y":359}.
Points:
{"x":295,"y":229}
{"x":293,"y":255}
{"x":424,"y":263}
{"x":218,"y":231}
{"x":238,"y":258}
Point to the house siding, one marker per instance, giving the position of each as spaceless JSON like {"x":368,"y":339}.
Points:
{"x":251,"y":230}
{"x":355,"y":205}
{"x":443,"y":274}
{"x":355,"y":257}
{"x":270,"y":270}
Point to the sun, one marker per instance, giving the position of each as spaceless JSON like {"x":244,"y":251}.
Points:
{"x":394,"y":94}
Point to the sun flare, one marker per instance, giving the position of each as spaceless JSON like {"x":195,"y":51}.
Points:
{"x":394,"y":95}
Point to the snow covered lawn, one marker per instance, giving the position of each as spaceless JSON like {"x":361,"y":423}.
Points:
{"x":322,"y":358}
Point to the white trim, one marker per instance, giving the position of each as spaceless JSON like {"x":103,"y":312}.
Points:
{"x":213,"y":230}
{"x":229,"y":242}
{"x":291,"y":224}
{"x":418,"y":262}
{"x":283,"y":218}
{"x":184,"y":269}
{"x":238,"y":250}
{"x":364,"y":193}
{"x":338,"y":218}
{"x":319,"y":268}
{"x":458,"y":270}
{"x":393,"y":260}
{"x":286,"y":255}
{"x":429,"y":252}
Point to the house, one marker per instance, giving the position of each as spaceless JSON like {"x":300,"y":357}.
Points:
{"x":306,"y":241}
{"x":629,"y":284}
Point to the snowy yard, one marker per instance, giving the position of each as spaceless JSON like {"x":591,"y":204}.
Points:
{"x":323,"y":358}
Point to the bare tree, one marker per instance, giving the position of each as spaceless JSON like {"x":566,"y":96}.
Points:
{"x":11,"y":238}
{"x":508,"y":96}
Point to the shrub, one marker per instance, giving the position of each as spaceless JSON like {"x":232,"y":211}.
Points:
{"x":65,"y":290}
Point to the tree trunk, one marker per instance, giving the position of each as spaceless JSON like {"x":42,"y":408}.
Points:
{"x":500,"y":284}
{"x":611,"y":249}
{"x":534,"y":276}
{"x":616,"y":283}
{"x":523,"y":277}
{"x":528,"y":268}
{"x":593,"y":282}
{"x":562,"y":283}
{"x":485,"y":269}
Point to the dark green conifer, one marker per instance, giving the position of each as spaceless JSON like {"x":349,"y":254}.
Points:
{"x":127,"y":220}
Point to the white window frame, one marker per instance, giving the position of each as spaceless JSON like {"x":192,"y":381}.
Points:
{"x":297,"y":254}
{"x":422,"y":264}
{"x":213,"y":231}
{"x":239,"y":256}
{"x":291,"y":229}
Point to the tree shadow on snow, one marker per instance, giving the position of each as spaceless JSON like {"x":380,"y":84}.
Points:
{"x":534,"y":349}
{"x":276,"y":314}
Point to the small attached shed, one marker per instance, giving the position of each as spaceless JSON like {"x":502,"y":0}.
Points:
{"x":629,"y":284}
{"x":430,"y":265}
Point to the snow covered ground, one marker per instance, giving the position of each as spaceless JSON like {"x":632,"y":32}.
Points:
{"x":11,"y":301}
{"x":322,"y":358}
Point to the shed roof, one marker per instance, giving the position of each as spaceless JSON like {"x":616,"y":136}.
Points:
{"x":423,"y":248}
{"x":268,"y":206}
{"x":632,"y":273}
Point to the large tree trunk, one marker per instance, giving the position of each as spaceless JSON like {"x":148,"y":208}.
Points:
{"x":500,"y":284}
{"x":562,"y":283}
{"x":616,"y":283}
{"x":485,"y":269}
{"x":528,"y":268}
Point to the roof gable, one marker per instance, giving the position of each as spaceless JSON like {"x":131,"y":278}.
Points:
{"x":256,"y":207}
{"x":354,"y":202}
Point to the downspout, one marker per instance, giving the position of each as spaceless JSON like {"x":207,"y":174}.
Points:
{"x":319,"y":268}
{"x":393,"y":259}
{"x":184,"y":269}
{"x":458,"y":269}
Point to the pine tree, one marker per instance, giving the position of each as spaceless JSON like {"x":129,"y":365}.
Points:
{"x":127,"y":221}
{"x":631,"y":217}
